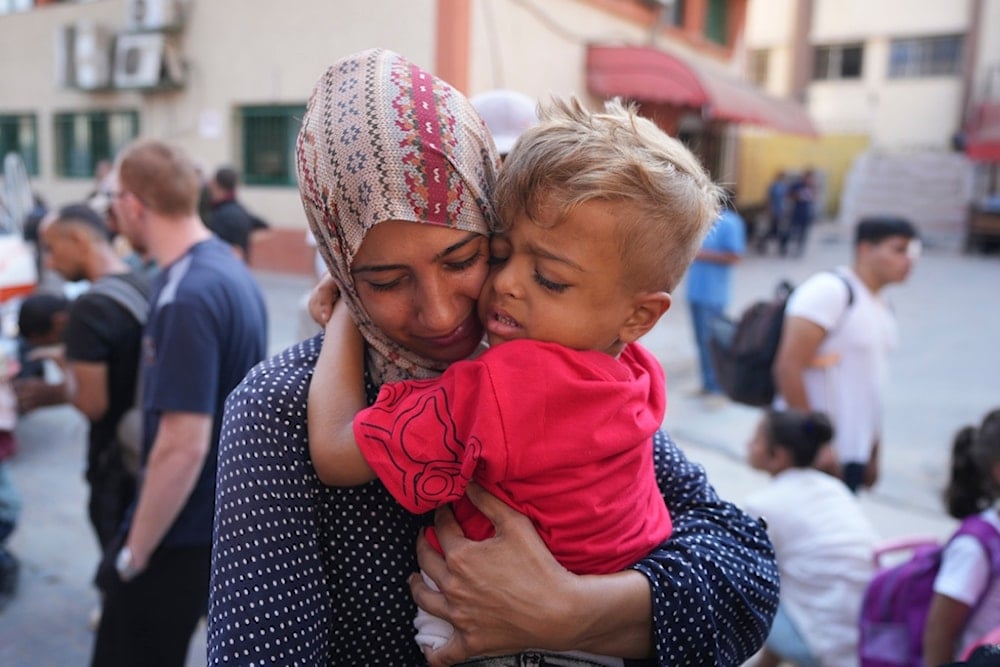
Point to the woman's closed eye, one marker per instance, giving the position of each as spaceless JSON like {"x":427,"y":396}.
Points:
{"x":386,"y":286}
{"x":464,"y":264}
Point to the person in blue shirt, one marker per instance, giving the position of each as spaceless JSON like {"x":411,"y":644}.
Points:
{"x":708,"y":287}
{"x":777,"y":211}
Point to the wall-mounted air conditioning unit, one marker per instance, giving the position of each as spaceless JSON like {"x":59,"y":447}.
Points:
{"x":83,"y":56}
{"x":92,"y":56}
{"x":138,"y":60}
{"x":154,"y":14}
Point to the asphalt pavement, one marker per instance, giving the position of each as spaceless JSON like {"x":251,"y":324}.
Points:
{"x":944,"y":375}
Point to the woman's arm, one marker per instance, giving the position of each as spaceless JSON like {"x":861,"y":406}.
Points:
{"x":709,"y":595}
{"x":715,"y":581}
{"x":336,"y":395}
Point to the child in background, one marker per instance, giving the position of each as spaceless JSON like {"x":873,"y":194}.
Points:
{"x":602,"y":213}
{"x":822,"y":540}
{"x":966,"y":603}
{"x":41,"y":322}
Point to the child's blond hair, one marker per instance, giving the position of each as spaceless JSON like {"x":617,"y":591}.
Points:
{"x":574,"y":155}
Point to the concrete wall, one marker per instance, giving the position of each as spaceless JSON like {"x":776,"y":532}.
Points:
{"x":267,"y":53}
{"x":847,"y":20}
{"x":770,"y":26}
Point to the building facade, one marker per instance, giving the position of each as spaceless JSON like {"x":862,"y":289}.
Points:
{"x":229,"y":79}
{"x":879,"y":77}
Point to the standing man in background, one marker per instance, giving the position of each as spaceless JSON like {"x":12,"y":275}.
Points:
{"x":207,"y":328}
{"x":103,"y":337}
{"x":228,"y":218}
{"x":708,"y":290}
{"x":802,"y":196}
{"x":777,"y":211}
{"x":835,"y":344}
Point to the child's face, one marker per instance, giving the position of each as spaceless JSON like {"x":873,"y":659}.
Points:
{"x":563,"y":284}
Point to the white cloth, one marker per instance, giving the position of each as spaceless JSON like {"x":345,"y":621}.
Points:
{"x":824,"y":545}
{"x":965,"y":576}
{"x":851,"y":390}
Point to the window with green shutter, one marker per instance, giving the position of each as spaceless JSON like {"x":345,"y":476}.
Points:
{"x":717,"y":21}
{"x":269,"y":135}
{"x":84,"y":139}
{"x":19,"y":134}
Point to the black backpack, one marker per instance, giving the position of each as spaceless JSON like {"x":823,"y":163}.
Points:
{"x":743,"y":350}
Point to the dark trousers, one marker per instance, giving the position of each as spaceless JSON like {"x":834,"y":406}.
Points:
{"x":854,"y":475}
{"x":149,"y":621}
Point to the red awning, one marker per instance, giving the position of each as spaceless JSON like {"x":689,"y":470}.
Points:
{"x":982,"y":138}
{"x":647,"y":74}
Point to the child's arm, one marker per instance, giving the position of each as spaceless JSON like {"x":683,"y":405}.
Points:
{"x":336,"y":395}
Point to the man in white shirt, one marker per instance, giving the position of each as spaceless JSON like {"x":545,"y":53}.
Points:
{"x":835,"y":344}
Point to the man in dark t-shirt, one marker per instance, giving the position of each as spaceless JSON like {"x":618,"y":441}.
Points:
{"x":103,"y":337}
{"x":228,"y":219}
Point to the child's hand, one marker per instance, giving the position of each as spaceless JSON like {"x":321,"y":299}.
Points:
{"x":322,"y":299}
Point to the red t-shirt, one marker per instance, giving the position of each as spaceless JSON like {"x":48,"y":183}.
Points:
{"x":563,"y":436}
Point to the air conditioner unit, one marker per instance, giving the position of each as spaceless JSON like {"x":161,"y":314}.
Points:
{"x":138,"y":60}
{"x":153,"y":14}
{"x":83,"y":56}
{"x":65,"y":52}
{"x":92,"y":56}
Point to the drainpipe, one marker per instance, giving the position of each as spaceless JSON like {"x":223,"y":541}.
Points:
{"x":971,"y":54}
{"x":451,"y":59}
{"x":802,"y":53}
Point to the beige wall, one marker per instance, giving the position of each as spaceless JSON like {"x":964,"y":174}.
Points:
{"x":839,"y":20}
{"x":266,"y":54}
{"x":541,"y":50}
{"x":262,"y":52}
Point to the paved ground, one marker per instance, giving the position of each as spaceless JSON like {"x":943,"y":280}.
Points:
{"x":944,"y":375}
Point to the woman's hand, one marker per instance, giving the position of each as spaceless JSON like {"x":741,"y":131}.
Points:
{"x":500,"y":594}
{"x":508,"y":594}
{"x":322,"y":299}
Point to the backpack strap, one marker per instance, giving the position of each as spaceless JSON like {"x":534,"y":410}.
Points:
{"x":125,"y":294}
{"x":988,"y":536}
{"x":850,"y":288}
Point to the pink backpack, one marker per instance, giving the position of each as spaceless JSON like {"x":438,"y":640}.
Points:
{"x":896,"y":602}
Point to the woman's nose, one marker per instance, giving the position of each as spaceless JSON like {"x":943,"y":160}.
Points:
{"x":438,"y":307}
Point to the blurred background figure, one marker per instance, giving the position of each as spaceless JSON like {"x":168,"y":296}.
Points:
{"x":822,"y":540}
{"x":507,"y":113}
{"x":709,"y":290}
{"x":802,"y":196}
{"x":966,"y":603}
{"x":777,"y":211}
{"x":229,"y":219}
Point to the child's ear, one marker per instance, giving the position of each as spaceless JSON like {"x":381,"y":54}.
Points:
{"x":647,"y":309}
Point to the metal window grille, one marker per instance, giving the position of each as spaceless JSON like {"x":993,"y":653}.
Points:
{"x":84,"y":139}
{"x":926,"y":56}
{"x":19,"y":134}
{"x":269,"y":135}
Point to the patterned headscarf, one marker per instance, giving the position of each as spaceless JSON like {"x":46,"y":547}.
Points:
{"x":384,"y":140}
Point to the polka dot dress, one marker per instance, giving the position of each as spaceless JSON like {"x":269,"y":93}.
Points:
{"x":303,"y":574}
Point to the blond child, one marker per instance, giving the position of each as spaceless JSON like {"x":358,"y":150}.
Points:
{"x":602,"y":213}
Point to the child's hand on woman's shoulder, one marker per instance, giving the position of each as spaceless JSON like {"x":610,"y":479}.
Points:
{"x":322,"y":299}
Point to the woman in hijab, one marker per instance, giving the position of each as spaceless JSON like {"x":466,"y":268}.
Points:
{"x":396,"y":172}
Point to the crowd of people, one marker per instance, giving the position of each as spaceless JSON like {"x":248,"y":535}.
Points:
{"x":485,"y":295}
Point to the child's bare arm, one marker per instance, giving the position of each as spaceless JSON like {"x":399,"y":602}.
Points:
{"x":336,"y":395}
{"x":322,"y":299}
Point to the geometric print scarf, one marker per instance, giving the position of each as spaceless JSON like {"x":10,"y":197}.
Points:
{"x":382,"y":140}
